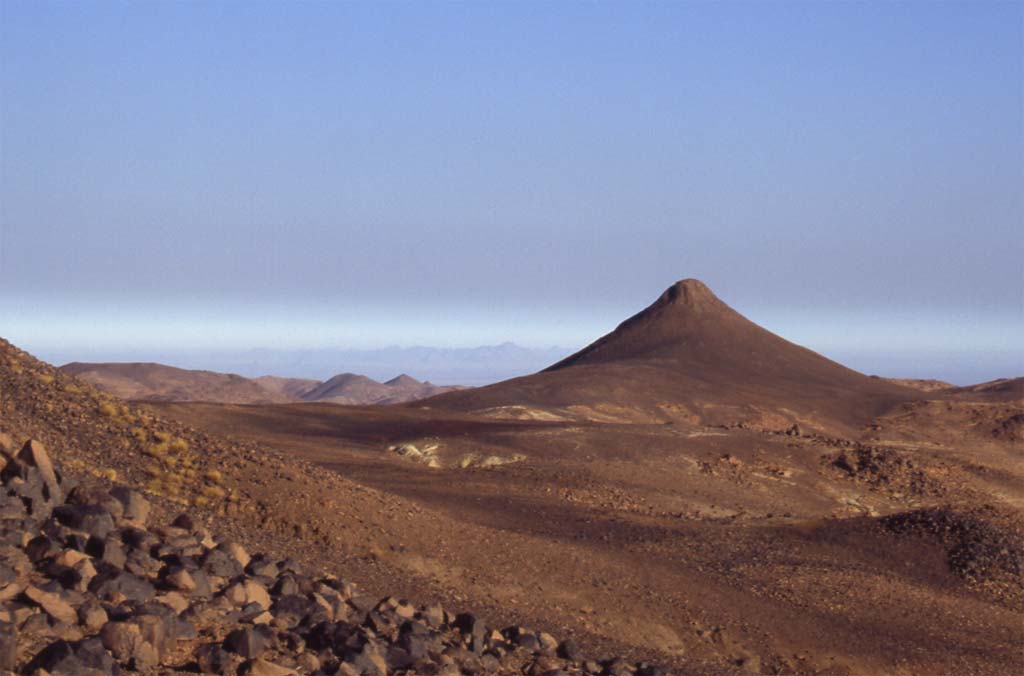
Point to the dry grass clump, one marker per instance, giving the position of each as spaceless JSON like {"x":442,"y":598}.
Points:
{"x":119,"y":414}
{"x":175,"y":472}
{"x":44,"y":378}
{"x":213,"y":492}
{"x":156,"y":450}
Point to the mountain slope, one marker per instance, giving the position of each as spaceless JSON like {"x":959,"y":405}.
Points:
{"x":1003,"y":389}
{"x":158,"y":382}
{"x":241,"y":491}
{"x":292,"y":388}
{"x":691,"y":357}
{"x":348,"y":388}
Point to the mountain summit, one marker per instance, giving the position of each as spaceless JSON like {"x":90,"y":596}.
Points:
{"x":680,"y":320}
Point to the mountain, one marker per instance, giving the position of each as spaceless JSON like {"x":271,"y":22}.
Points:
{"x":292,"y":388}
{"x":690,"y":357}
{"x":403,"y":380}
{"x":354,"y":389}
{"x":481,"y":365}
{"x":922,"y":384}
{"x":157,"y":382}
{"x":1003,"y":389}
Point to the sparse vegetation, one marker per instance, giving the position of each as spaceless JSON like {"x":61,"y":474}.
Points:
{"x":213,"y":492}
{"x":156,"y":450}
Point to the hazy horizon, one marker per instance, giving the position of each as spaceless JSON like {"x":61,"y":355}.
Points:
{"x":486,"y":364}
{"x":327,"y":176}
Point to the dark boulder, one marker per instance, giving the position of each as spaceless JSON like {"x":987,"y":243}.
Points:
{"x":92,"y":519}
{"x":111,"y":582}
{"x":8,"y":646}
{"x":249,"y":642}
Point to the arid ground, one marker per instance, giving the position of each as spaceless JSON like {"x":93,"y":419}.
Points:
{"x":690,"y":490}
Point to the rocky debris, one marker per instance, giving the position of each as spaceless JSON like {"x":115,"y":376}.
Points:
{"x":88,"y":587}
{"x":487,"y":461}
{"x":885,"y":469}
{"x":984,"y":545}
{"x":426,"y":455}
{"x":1010,"y":428}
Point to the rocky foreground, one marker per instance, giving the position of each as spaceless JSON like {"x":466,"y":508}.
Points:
{"x":89,"y":587}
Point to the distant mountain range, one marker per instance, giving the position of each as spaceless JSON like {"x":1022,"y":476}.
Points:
{"x":158,"y":382}
{"x":467,"y":366}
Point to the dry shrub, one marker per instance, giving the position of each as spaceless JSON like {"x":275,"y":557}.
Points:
{"x":214,"y":492}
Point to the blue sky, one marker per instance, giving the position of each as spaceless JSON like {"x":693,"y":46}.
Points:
{"x":238,"y":175}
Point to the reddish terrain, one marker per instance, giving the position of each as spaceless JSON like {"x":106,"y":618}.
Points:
{"x":157,"y":382}
{"x":690,"y":489}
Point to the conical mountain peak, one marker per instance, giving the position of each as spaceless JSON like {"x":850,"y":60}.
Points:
{"x":691,"y":295}
{"x":687,"y":313}
{"x":403,"y":380}
{"x":688,"y":292}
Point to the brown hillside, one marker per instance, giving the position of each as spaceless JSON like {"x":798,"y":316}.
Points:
{"x":157,"y":382}
{"x":293,"y":388}
{"x":348,"y":388}
{"x":922,"y":384}
{"x":283,"y":506}
{"x":1003,"y":389}
{"x":690,"y":357}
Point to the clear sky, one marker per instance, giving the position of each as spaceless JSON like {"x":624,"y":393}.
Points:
{"x":238,"y":175}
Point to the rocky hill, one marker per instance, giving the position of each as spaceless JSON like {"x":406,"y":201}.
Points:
{"x":157,"y":382}
{"x":922,"y":384}
{"x":185,"y":597}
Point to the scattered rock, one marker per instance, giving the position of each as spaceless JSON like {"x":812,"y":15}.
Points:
{"x":91,"y":589}
{"x":53,"y":604}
